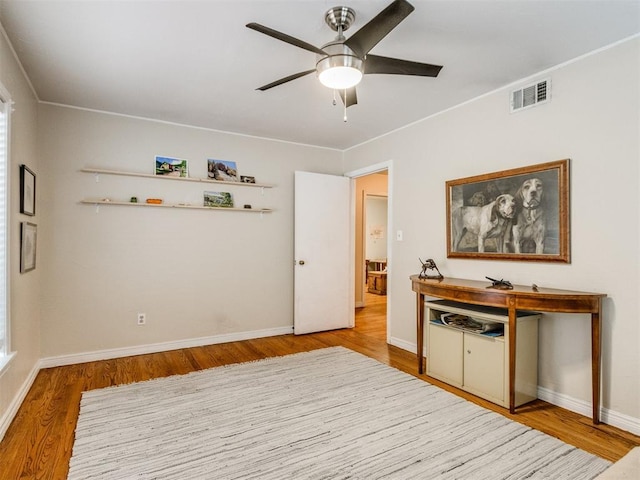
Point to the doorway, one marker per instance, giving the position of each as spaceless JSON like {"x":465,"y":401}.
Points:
{"x":372,"y":256}
{"x":374,"y":236}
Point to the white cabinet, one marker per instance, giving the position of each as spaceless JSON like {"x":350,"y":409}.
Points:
{"x":479,"y":363}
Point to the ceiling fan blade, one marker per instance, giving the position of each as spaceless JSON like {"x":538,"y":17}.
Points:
{"x":395,"y":66}
{"x":285,"y":80}
{"x":285,"y":38}
{"x":368,"y":36}
{"x":351,"y":96}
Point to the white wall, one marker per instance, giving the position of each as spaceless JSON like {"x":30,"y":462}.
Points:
{"x":376,"y":227}
{"x":24,"y":314}
{"x":593,"y":118}
{"x":194,"y":273}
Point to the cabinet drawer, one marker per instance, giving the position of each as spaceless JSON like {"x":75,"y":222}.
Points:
{"x":444,"y":354}
{"x":484,"y":367}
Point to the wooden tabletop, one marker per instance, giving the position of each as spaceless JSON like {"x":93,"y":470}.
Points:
{"x":525,"y":296}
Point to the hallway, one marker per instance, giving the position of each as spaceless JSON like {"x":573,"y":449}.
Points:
{"x":371,"y":320}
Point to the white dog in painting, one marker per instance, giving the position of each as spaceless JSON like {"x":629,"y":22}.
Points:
{"x":488,"y":221}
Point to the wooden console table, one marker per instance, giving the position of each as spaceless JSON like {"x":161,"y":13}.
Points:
{"x":520,"y":298}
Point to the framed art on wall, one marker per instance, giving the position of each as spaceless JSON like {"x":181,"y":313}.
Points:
{"x":223,"y":170}
{"x":517,"y":214}
{"x":27,"y":191}
{"x":28,"y":237}
{"x":218,"y":199}
{"x":172,"y":167}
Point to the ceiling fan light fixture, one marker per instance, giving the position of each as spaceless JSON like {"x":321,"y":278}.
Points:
{"x":339,"y":78}
{"x":339,"y":71}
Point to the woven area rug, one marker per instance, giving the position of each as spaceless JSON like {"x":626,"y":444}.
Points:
{"x":325,"y":414}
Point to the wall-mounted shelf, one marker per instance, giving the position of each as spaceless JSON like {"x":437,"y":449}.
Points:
{"x":99,"y":171}
{"x":107,"y":201}
{"x":98,"y":202}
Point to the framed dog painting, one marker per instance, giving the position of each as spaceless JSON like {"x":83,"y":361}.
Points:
{"x":518,"y":214}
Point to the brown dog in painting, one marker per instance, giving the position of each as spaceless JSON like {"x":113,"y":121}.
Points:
{"x":488,"y":221}
{"x":529,"y":224}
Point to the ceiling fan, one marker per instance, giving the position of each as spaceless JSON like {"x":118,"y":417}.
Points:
{"x":341,"y":63}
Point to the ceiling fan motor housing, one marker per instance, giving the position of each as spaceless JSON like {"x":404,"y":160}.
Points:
{"x":340,"y":18}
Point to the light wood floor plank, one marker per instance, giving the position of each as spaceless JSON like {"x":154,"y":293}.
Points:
{"x":38,"y":443}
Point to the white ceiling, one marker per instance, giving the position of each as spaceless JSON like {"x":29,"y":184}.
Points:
{"x":195,"y":63}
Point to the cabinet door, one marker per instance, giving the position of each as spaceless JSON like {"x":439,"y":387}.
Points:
{"x":484,"y":367}
{"x":444,"y":354}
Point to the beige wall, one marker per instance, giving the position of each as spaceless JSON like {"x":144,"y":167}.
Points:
{"x":592,"y":118}
{"x":196,"y":274}
{"x":24,"y":290}
{"x":374,"y":184}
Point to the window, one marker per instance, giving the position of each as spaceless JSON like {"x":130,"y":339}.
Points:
{"x":5,"y":114}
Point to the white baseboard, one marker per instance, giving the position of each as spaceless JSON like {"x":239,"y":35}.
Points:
{"x":11,"y":412}
{"x":74,"y":358}
{"x":610,"y":417}
{"x":620,"y":420}
{"x":408,"y":346}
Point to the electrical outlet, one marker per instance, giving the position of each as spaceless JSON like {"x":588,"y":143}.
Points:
{"x":142,"y":318}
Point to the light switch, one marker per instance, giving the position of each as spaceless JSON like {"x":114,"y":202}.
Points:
{"x":399,"y":235}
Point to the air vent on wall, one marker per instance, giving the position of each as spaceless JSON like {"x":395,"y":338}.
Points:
{"x":530,"y":95}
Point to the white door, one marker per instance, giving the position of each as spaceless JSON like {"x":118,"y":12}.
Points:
{"x":323,"y":253}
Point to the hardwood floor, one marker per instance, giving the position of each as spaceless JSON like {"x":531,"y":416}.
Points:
{"x":38,"y":443}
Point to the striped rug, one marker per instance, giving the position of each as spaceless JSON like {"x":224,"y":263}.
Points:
{"x":325,"y":414}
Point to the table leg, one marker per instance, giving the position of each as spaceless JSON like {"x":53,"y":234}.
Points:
{"x":420,"y":332}
{"x":512,"y":356}
{"x":596,"y":330}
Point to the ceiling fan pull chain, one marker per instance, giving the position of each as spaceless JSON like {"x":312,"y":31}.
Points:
{"x":345,"y":106}
{"x":334,"y":98}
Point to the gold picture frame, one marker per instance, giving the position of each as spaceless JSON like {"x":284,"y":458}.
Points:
{"x":520,"y":214}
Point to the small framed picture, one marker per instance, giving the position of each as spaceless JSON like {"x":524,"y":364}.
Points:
{"x":222,"y":170}
{"x":247,"y":179}
{"x":28,"y":234}
{"x":218,"y":199}
{"x":171,"y":167}
{"x":27,"y":191}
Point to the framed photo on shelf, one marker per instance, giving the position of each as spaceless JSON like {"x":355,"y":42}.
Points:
{"x":28,"y":234}
{"x":518,"y":214}
{"x":218,"y":199}
{"x":171,"y":167}
{"x":27,"y":191}
{"x":222,"y":170}
{"x":247,"y":179}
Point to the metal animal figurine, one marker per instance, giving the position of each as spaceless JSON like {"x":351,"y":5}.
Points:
{"x":429,"y":265}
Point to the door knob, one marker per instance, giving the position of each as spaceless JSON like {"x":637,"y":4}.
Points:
{"x":301,"y":262}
